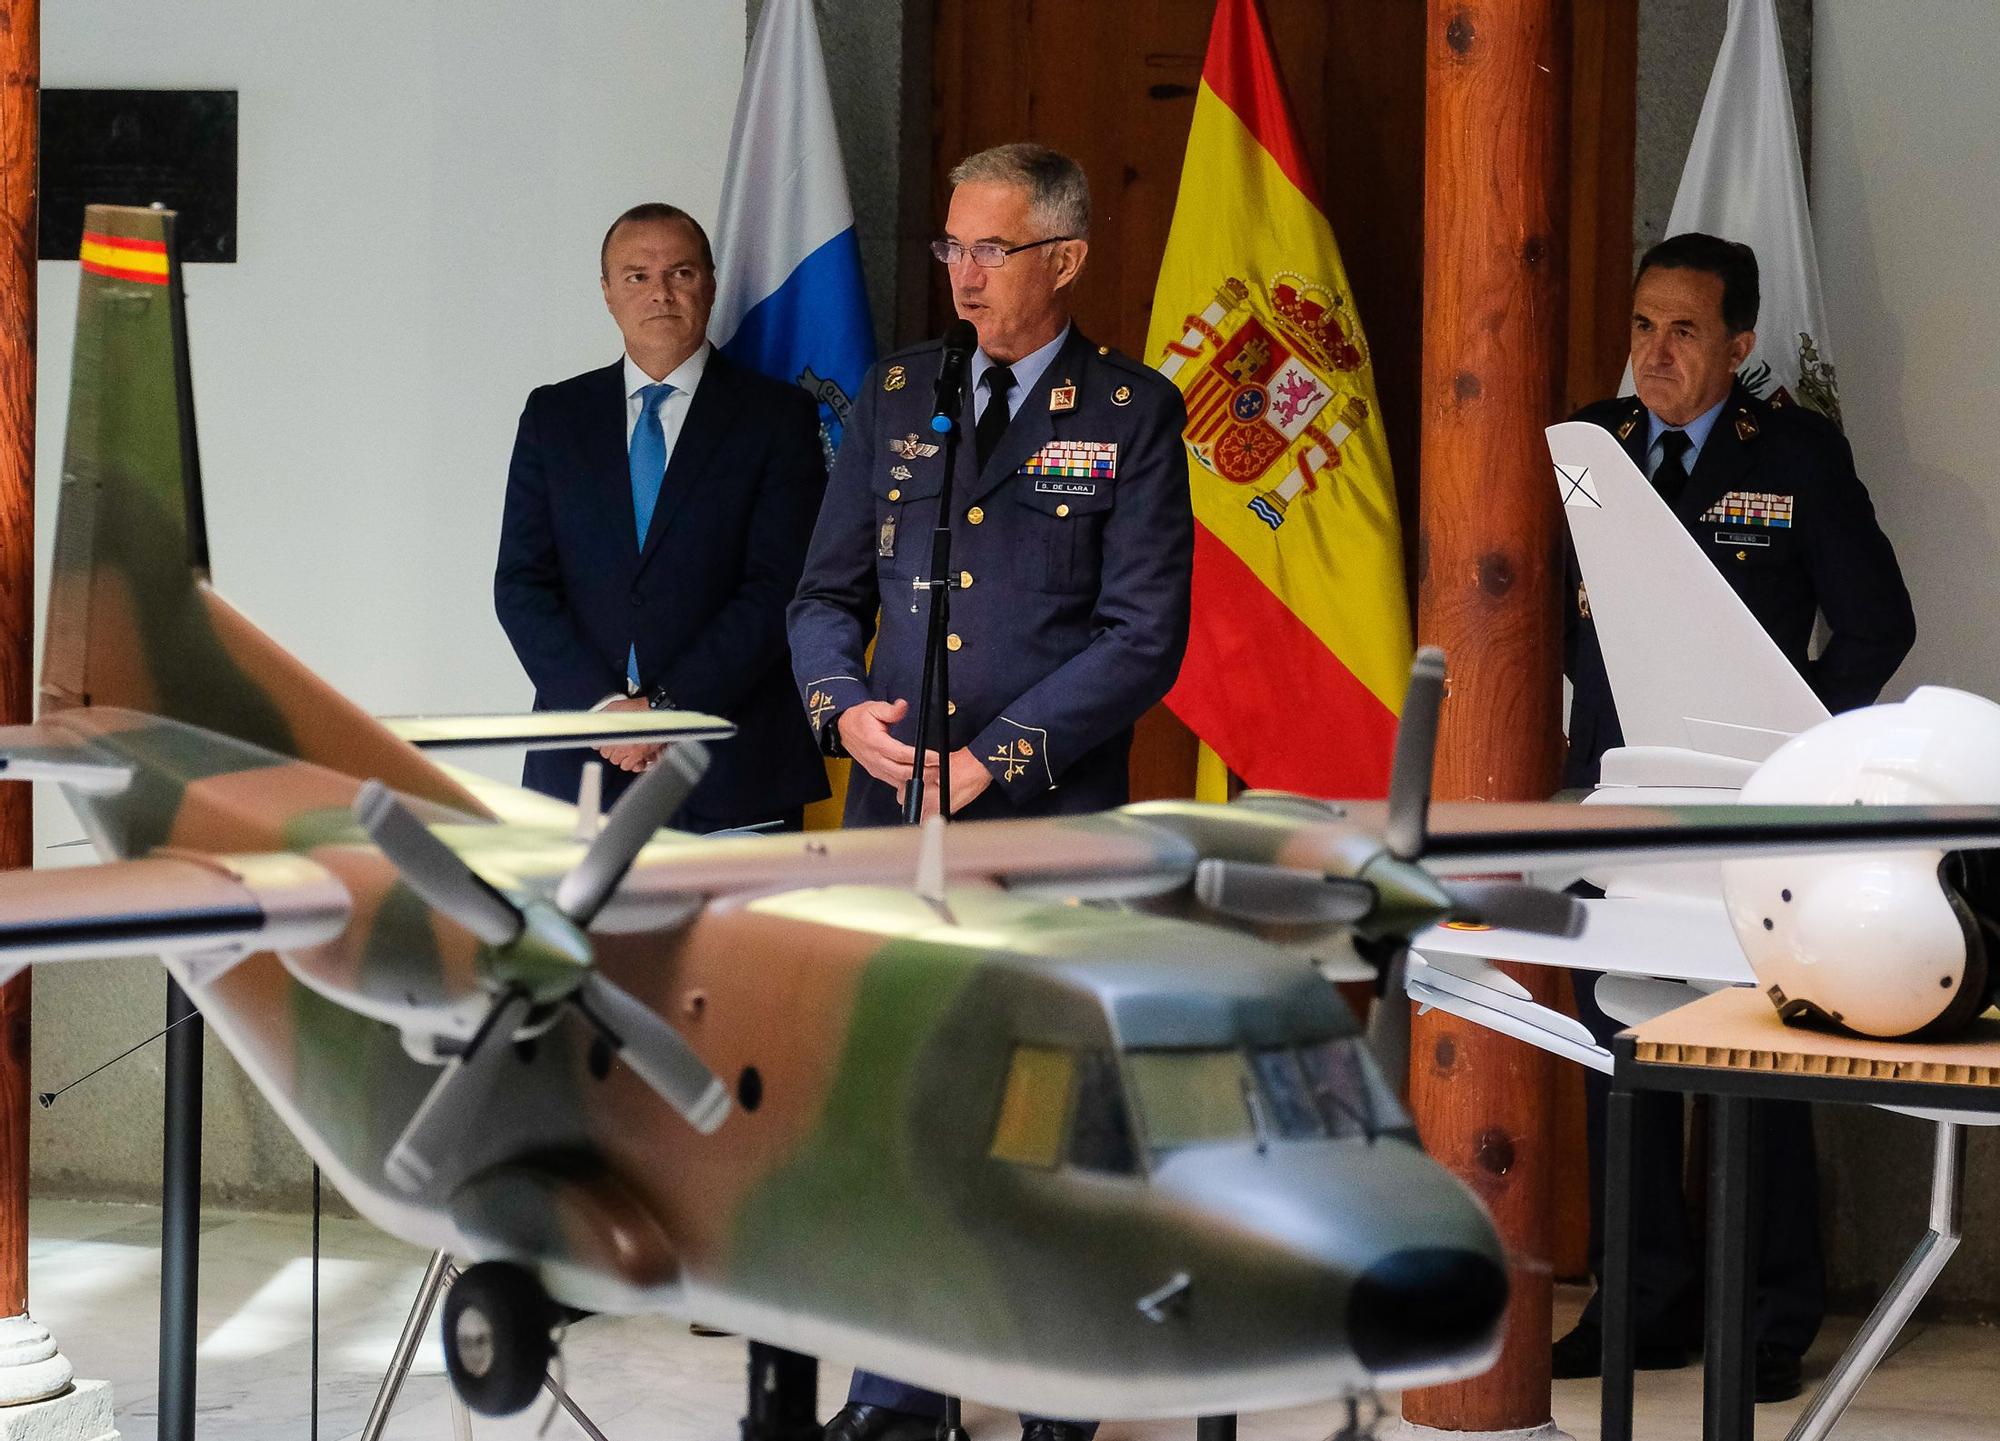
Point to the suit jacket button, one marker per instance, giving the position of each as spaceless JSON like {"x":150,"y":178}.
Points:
{"x":951,"y":707}
{"x":965,"y":580}
{"x":1743,"y":555}
{"x":1062,"y":510}
{"x":975,"y":516}
{"x":952,"y":642}
{"x":895,"y":495}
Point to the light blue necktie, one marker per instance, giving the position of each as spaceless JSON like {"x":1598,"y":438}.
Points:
{"x":647,"y":462}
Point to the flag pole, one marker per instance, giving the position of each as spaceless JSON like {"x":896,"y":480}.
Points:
{"x":1495,"y":306}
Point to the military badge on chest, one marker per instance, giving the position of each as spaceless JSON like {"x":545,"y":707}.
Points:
{"x":885,"y":539}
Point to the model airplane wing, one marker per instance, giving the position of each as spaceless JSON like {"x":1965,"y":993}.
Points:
{"x":44,"y":753}
{"x":212,"y":910}
{"x":551,"y":730}
{"x":1710,"y":681}
{"x":1675,"y":938}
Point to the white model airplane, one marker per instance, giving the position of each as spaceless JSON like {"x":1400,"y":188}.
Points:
{"x":1709,"y":708}
{"x":1711,"y":711}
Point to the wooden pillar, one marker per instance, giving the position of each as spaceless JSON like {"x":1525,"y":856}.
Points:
{"x":1495,"y":240}
{"x":20,"y":92}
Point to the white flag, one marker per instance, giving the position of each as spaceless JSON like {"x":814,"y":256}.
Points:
{"x":1743,"y":181}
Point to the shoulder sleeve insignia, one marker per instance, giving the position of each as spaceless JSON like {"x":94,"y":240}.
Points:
{"x":1062,"y":398}
{"x":896,"y":378}
{"x":1122,"y":395}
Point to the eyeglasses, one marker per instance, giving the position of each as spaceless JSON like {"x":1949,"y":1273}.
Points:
{"x":986,"y":254}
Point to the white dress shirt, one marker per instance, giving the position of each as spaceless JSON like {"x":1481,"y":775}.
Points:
{"x":674,"y":409}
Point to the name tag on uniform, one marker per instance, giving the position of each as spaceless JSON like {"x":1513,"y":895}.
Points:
{"x":1075,"y":460}
{"x":1751,"y":507}
{"x":1065,"y":487}
{"x":1742,"y":537}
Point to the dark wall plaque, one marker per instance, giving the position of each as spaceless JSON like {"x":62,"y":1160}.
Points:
{"x":135,"y":147}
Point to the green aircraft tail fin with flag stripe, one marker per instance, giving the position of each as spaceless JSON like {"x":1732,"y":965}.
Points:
{"x":133,"y":621}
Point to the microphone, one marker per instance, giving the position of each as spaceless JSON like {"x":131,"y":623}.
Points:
{"x":959,"y":340}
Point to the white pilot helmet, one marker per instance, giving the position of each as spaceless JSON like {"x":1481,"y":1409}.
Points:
{"x":1888,"y":943}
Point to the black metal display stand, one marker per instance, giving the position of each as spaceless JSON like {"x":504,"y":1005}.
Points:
{"x":1728,"y":1383}
{"x":180,"y":1216}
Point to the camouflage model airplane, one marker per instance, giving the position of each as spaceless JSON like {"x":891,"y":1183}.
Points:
{"x":1055,"y":1116}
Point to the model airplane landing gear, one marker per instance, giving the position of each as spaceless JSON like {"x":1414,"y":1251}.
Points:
{"x":437,"y":1276}
{"x":499,"y":1337}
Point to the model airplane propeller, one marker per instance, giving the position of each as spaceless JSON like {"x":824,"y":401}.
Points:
{"x":1050,"y":1113}
{"x":541,"y":958}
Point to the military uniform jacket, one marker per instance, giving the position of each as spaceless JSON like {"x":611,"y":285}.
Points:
{"x":1774,"y":502}
{"x":1073,"y":549}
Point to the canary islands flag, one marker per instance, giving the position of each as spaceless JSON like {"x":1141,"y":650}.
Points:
{"x":1300,"y":643}
{"x":789,"y":299}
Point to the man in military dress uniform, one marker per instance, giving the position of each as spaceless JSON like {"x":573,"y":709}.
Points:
{"x":1719,"y":456}
{"x":1072,"y":542}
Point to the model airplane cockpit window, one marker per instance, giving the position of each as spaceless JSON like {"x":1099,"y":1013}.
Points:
{"x":1036,"y":1113}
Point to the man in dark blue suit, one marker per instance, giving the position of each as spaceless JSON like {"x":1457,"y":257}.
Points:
{"x":1708,"y":443}
{"x":1072,"y":531}
{"x":657,"y":517}
{"x":1072,"y":550}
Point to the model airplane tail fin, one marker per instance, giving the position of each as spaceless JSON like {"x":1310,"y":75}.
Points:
{"x":1690,"y":667}
{"x":133,"y":623}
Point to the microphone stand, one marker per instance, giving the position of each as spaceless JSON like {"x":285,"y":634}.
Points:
{"x":934,"y":694}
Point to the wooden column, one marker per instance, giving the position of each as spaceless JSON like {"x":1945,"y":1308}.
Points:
{"x":1495,"y":239}
{"x":20,"y":90}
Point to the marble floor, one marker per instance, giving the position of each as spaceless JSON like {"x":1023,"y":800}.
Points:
{"x":94,"y":1281}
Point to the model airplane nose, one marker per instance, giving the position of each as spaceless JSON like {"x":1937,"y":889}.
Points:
{"x":1425,"y":1305}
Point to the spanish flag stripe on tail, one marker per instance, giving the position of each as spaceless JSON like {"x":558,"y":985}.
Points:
{"x":1301,"y":626}
{"x":124,"y":257}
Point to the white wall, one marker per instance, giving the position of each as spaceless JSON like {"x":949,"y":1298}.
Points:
{"x":1906,"y":212}
{"x":422,"y":187}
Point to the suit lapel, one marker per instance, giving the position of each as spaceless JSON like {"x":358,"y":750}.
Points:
{"x":1726,"y":456}
{"x":1034,"y":424}
{"x":602,"y":442}
{"x":709,"y":418}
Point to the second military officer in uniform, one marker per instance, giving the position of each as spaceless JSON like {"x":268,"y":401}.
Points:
{"x":1072,"y":534}
{"x":1767,"y":489}
{"x":1073,"y":543}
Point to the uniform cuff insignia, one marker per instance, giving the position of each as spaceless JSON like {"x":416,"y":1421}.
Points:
{"x":1018,"y":756}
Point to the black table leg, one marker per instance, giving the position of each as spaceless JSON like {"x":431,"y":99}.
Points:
{"x":1215,"y":1428}
{"x":1729,"y":1367}
{"x":784,"y":1395}
{"x":1621,"y":1118}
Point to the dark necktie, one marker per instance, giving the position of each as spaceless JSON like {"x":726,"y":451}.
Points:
{"x":993,"y":420}
{"x":1672,"y":474}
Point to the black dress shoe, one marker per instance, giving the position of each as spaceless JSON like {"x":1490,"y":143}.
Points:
{"x":1581,"y":1354}
{"x":1777,"y":1374}
{"x":1052,"y":1431}
{"x":857,"y":1421}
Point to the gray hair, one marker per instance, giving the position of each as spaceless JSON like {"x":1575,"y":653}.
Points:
{"x":1058,"y":193}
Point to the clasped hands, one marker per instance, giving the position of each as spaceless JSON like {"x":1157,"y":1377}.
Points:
{"x":864,"y":733}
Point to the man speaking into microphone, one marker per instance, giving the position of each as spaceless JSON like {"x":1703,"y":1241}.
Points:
{"x":1072,"y":539}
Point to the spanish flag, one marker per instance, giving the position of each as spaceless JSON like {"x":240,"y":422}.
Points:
{"x":1300,"y":643}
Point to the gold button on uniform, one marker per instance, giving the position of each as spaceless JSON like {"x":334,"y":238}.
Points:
{"x":965,"y":580}
{"x":975,"y":515}
{"x":951,"y":707}
{"x":1743,"y":555}
{"x":1062,"y":510}
{"x":895,"y":495}
{"x":952,"y":642}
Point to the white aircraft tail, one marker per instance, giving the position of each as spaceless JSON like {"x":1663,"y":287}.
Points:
{"x":1690,"y":667}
